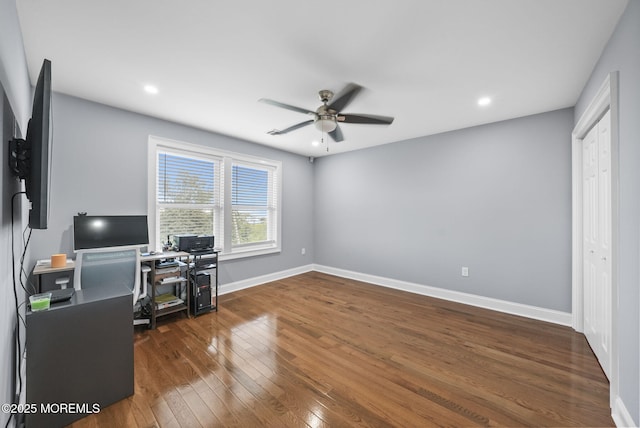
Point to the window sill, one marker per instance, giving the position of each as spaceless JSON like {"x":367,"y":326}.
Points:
{"x":239,"y":254}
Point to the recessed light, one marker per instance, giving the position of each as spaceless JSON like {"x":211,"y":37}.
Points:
{"x":484,"y":101}
{"x":150,"y":89}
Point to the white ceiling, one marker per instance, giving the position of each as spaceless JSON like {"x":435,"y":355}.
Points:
{"x":424,"y":62}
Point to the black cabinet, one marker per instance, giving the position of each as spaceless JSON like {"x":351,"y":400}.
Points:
{"x":79,"y":352}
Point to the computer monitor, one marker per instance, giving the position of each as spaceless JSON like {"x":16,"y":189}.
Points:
{"x":109,"y":231}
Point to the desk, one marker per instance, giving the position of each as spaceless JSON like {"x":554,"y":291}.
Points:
{"x":79,"y":351}
{"x":43,"y":269}
{"x":158,"y":278}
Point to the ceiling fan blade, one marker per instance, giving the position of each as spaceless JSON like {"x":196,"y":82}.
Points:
{"x":365,"y":118}
{"x":287,"y":106}
{"x":336,"y":134}
{"x":291,"y":128}
{"x":344,"y":98}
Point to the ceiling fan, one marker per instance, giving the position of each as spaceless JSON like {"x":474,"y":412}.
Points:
{"x":327,"y":117}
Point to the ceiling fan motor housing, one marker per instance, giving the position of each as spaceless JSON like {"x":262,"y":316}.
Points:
{"x":325,"y":95}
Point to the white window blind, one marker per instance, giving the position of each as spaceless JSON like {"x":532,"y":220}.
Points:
{"x":253,"y":204}
{"x":188,"y":197}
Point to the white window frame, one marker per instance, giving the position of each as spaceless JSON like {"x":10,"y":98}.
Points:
{"x":270,"y":208}
{"x":227,"y":159}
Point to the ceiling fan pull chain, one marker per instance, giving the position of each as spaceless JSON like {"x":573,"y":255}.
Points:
{"x":322,"y":140}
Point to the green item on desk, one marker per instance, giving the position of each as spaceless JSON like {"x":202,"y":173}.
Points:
{"x":40,"y":302}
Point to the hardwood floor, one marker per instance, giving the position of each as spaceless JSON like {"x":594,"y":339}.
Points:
{"x":317,"y":350}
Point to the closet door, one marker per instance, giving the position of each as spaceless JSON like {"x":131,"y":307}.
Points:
{"x":596,"y":175}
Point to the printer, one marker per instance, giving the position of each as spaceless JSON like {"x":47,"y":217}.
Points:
{"x":193,"y":243}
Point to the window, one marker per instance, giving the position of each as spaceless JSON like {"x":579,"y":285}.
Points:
{"x":253,"y":206}
{"x":198,"y":190}
{"x":187,"y":197}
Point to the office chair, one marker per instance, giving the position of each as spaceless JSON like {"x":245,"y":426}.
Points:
{"x":106,"y":267}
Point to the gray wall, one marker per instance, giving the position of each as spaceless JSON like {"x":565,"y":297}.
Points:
{"x":13,"y":64}
{"x":99,"y":166}
{"x":7,"y":299}
{"x":622,"y":54}
{"x":15,"y":105}
{"x":495,"y":198}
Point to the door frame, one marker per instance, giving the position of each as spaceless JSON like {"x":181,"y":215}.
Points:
{"x":605,"y":98}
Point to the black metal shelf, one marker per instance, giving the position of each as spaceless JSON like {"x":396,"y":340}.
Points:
{"x":159,"y":277}
{"x":204,"y":297}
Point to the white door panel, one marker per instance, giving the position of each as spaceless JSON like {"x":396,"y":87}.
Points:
{"x":596,"y":175}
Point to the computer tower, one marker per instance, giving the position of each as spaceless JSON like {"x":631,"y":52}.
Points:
{"x":201,"y":297}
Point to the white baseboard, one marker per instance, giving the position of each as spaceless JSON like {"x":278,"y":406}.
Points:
{"x":258,"y":280}
{"x":548,"y":315}
{"x":534,"y":312}
{"x":620,"y":414}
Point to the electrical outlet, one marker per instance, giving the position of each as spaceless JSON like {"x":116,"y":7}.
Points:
{"x":465,"y":271}
{"x":303,"y":251}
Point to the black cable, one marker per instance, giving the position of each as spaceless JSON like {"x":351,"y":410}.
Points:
{"x":15,"y":297}
{"x":22,"y":271}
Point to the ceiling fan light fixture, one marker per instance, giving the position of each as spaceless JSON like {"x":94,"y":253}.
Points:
{"x":327,"y":124}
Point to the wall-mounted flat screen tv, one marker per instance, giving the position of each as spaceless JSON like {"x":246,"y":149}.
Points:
{"x":30,"y":159}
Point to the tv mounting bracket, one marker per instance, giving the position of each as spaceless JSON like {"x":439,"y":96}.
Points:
{"x":19,"y":157}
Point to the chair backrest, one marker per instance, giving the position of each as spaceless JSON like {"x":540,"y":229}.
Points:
{"x":106,"y":267}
